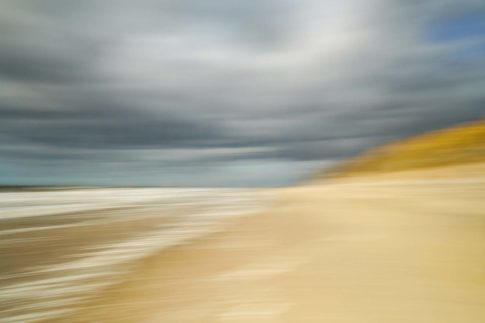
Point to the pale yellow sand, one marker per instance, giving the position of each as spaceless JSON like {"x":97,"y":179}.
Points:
{"x":401,"y":248}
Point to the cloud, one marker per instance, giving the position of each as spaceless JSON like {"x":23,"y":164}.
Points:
{"x":199,"y":92}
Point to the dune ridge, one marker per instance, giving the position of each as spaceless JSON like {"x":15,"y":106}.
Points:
{"x":462,"y":144}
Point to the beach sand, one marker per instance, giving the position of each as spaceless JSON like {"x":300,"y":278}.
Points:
{"x":408,"y":247}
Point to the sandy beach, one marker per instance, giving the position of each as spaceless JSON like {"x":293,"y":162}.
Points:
{"x":402,"y":248}
{"x":61,"y":248}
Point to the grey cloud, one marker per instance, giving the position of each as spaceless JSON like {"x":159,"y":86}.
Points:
{"x":92,"y":129}
{"x":161,"y":89}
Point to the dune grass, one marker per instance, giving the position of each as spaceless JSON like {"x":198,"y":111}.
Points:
{"x":453,"y":146}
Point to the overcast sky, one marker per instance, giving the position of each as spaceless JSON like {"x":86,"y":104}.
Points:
{"x":226,"y":92}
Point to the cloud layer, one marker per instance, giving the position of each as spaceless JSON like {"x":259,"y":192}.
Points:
{"x":226,"y":92}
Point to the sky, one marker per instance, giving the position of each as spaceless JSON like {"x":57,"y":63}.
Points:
{"x":226,"y":92}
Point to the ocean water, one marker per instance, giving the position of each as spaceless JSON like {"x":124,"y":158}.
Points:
{"x":59,"y":248}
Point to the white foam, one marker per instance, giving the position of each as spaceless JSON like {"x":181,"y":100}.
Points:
{"x":103,"y":265}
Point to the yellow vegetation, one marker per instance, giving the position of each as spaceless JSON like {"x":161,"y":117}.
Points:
{"x":452,"y":146}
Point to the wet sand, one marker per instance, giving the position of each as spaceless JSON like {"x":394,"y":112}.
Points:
{"x":407,"y":247}
{"x":60,"y":249}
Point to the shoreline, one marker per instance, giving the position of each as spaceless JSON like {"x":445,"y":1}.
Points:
{"x":340,"y":253}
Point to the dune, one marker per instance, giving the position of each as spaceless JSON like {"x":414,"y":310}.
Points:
{"x":458,"y":145}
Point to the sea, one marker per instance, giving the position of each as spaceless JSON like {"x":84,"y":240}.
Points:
{"x":60,"y":247}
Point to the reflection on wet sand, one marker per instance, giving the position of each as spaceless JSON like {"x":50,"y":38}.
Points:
{"x":59,"y":255}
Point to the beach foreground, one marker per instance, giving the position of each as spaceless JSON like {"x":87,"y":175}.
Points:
{"x":403,"y":248}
